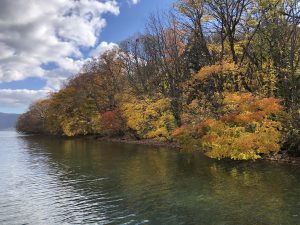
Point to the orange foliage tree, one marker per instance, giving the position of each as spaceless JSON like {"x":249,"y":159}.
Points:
{"x":111,"y":123}
{"x":246,"y":129}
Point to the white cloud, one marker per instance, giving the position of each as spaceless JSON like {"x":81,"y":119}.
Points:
{"x":34,"y":33}
{"x":21,"y":97}
{"x":103,"y":47}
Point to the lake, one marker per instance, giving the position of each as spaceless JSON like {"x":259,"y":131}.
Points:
{"x":45,"y":180}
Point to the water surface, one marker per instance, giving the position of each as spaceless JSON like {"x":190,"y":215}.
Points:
{"x":58,"y":181}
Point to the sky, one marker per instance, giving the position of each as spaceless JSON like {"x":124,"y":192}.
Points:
{"x":43,"y":43}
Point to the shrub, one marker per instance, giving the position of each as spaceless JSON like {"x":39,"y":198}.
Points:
{"x":150,"y":118}
{"x":111,"y":123}
{"x":246,"y":129}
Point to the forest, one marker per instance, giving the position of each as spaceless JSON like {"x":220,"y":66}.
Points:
{"x":217,"y":76}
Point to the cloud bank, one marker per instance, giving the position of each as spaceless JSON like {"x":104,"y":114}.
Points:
{"x":17,"y":98}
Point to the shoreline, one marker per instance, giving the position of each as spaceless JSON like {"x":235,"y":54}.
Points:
{"x":281,"y":158}
{"x":146,"y":142}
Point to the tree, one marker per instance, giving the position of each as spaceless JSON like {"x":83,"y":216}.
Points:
{"x":227,"y":17}
{"x":149,"y":117}
{"x":191,"y":16}
{"x":104,"y":79}
{"x":241,"y":132}
{"x":35,"y":119}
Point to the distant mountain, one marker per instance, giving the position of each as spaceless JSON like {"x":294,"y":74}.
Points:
{"x":8,"y":120}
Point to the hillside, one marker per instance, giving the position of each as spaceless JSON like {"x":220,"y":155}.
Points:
{"x":8,"y":120}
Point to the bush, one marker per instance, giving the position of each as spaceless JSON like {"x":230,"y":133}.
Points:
{"x":150,"y":118}
{"x":111,"y":123}
{"x":246,"y":129}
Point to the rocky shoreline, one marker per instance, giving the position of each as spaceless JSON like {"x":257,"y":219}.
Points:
{"x":283,"y":158}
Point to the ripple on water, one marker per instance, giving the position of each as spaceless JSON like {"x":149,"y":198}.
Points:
{"x":49,"y":181}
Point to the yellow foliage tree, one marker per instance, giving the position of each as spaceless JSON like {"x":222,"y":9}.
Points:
{"x":222,"y":67}
{"x":150,"y":118}
{"x":71,"y":113}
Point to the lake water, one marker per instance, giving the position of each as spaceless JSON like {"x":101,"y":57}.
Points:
{"x":57,"y":181}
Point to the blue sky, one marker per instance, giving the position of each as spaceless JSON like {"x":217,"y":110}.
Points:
{"x":41,"y":46}
{"x":132,"y":19}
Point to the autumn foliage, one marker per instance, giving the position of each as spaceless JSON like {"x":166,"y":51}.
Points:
{"x":246,"y":130}
{"x":221,"y":68}
{"x":111,"y":122}
{"x":218,"y":76}
{"x":150,"y":118}
{"x":35,"y":120}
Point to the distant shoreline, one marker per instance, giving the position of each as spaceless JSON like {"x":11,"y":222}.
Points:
{"x":8,"y":129}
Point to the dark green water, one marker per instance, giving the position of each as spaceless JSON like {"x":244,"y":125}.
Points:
{"x":55,"y":181}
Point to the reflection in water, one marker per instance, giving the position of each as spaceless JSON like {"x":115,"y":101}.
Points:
{"x":54,"y":181}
